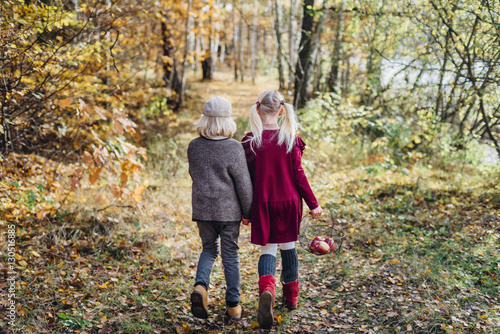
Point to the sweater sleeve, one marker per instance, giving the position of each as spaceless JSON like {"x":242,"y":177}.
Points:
{"x":241,"y":177}
{"x":249,"y":154}
{"x":299,"y":175}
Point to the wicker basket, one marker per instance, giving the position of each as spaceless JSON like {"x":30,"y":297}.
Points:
{"x":327,"y":224}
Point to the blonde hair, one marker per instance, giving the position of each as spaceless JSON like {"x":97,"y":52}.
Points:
{"x":271,"y":102}
{"x":212,"y":126}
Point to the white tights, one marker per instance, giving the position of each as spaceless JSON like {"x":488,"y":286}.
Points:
{"x":272,"y":249}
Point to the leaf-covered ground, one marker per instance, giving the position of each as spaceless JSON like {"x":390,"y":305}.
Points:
{"x":421,"y":253}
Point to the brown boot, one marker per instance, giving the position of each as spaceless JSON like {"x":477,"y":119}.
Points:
{"x":234,"y":313}
{"x":199,"y":302}
{"x":267,"y":293}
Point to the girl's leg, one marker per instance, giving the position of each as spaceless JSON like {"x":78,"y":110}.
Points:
{"x":290,"y":262}
{"x":210,"y":243}
{"x":290,"y":274}
{"x":267,"y":260}
{"x":229,"y":234}
{"x":267,"y":285}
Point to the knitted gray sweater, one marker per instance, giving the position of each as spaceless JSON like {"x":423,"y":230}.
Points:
{"x":222,"y":188}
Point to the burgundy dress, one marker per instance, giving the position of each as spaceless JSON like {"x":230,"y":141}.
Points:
{"x":279,"y":185}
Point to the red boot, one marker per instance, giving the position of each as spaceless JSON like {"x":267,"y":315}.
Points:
{"x":291,"y":294}
{"x":267,"y":293}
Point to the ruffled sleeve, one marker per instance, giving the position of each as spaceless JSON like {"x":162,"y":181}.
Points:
{"x":300,"y":178}
{"x":300,"y":143}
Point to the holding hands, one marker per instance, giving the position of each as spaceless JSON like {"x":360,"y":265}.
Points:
{"x":316,"y":212}
{"x":245,"y":221}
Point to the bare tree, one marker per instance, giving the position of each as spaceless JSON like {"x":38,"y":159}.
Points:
{"x":170,"y":66}
{"x":309,"y":45}
{"x":253,"y":42}
{"x":241,"y":46}
{"x":334,"y":77}
{"x":235,"y":49}
{"x":180,"y":102}
{"x":279,"y":45}
{"x":292,"y":42}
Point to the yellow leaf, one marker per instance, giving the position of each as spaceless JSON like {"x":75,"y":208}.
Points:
{"x":139,"y":190}
{"x":18,"y":257}
{"x":60,"y":264}
{"x":35,"y":253}
{"x":394,"y":261}
{"x":253,"y":325}
{"x":66,"y":102}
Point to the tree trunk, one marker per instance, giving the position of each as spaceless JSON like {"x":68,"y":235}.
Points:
{"x":170,"y":72}
{"x":242,"y":50}
{"x":373,"y":75}
{"x":306,"y":87}
{"x":334,"y":77}
{"x":318,"y":73}
{"x":180,"y":102}
{"x":235,"y":49}
{"x":292,"y":44}
{"x":264,"y":42}
{"x":222,"y":57}
{"x":253,"y":42}
{"x":210,"y":58}
{"x":309,"y":45}
{"x":279,"y":46}
{"x":304,"y":53}
{"x":206,"y":66}
{"x":346,"y":71}
{"x":214,"y":46}
{"x":197,"y":49}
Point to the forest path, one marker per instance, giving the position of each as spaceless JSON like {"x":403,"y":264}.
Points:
{"x":241,"y":94}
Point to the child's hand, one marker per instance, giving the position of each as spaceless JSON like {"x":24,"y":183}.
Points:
{"x":245,"y":221}
{"x":317,"y":212}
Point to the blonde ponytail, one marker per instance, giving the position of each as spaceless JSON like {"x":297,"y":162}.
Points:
{"x":271,"y":102}
{"x":288,"y":127}
{"x":256,"y":127}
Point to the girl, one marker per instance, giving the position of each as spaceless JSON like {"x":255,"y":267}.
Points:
{"x":222,"y":194}
{"x":274,"y":152}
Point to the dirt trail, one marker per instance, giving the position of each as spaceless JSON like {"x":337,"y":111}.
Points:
{"x":241,"y":94}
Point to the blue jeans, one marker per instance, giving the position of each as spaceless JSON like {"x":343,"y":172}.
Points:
{"x":228,"y":234}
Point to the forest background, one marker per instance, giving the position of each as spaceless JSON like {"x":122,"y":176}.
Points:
{"x":399,"y":103}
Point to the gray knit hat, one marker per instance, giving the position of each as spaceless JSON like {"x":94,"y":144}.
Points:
{"x":217,"y":107}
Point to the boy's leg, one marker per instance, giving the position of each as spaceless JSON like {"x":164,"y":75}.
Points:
{"x":199,"y":296}
{"x":229,"y":234}
{"x":209,"y":238}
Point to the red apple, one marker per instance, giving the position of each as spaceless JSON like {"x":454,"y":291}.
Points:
{"x":322,"y":247}
{"x":330,"y":243}
{"x":313,"y":246}
{"x":319,"y":239}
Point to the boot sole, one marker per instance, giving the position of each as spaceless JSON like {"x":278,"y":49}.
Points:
{"x":197,"y":307}
{"x":265,"y":312}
